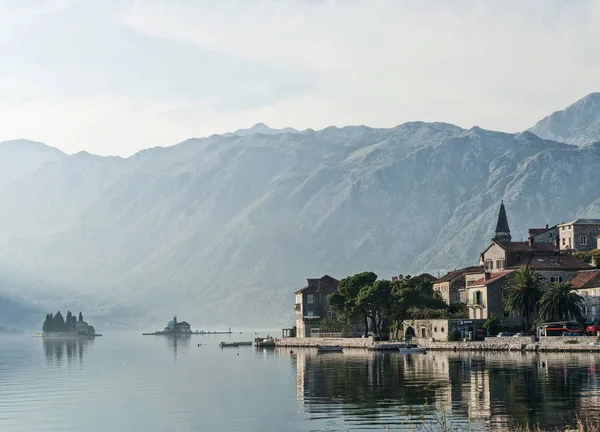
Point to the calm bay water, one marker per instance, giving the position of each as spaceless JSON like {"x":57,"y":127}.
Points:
{"x":127,"y":382}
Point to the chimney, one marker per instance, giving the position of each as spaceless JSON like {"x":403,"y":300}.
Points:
{"x":487,"y":275}
{"x":546,"y":226}
{"x":531,"y":241}
{"x":557,"y":243}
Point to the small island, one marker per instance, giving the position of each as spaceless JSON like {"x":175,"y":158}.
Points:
{"x":57,"y":325}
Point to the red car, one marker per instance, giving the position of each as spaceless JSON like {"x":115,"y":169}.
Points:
{"x":592,"y":330}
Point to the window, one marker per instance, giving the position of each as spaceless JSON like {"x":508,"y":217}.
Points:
{"x":309,"y":298}
{"x":584,"y":310}
{"x":583,"y":240}
{"x":563,"y":228}
{"x":310,"y":313}
{"x":423,"y":332}
{"x":435,"y":329}
{"x":500,"y":264}
{"x":329,"y":314}
{"x":442,"y":329}
{"x":556,"y":279}
{"x":570,"y":227}
{"x":489,"y":264}
{"x":564,"y":240}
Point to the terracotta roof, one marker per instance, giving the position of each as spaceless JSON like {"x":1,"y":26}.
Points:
{"x":586,"y":279}
{"x":453,"y":274}
{"x":493,"y":278}
{"x":311,"y":282}
{"x":524,"y":246}
{"x":550,"y":262}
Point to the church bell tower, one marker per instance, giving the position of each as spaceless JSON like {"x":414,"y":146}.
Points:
{"x":502,"y":229}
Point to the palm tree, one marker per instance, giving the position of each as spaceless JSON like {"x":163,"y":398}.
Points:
{"x":559,"y":303}
{"x":522,"y":293}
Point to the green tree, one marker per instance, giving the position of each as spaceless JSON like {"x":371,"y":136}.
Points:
{"x":349,"y":303}
{"x":58,"y":322}
{"x":560,"y":303}
{"x":411,"y":297}
{"x":523,"y":292}
{"x":492,"y":325}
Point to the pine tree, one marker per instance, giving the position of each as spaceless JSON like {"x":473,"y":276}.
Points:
{"x":59,"y":322}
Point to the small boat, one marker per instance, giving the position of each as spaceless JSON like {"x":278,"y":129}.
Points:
{"x":411,"y":349}
{"x":234,"y":344}
{"x":328,"y":349}
{"x":264,"y":342}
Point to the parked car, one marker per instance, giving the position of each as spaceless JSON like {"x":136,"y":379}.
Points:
{"x":518,"y":335}
{"x":592,"y":330}
{"x":505,"y":334}
{"x":573,"y":334}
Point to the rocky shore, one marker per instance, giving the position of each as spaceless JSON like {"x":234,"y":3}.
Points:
{"x":549,"y":344}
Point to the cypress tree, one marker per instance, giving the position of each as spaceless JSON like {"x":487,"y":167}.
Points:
{"x":59,"y":322}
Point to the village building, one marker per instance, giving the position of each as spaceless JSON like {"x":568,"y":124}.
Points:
{"x":176,"y":327}
{"x":579,"y":235}
{"x":84,"y":329}
{"x":586,"y":283}
{"x":440,"y":329}
{"x":503,"y":256}
{"x":544,"y":235}
{"x":452,"y":285}
{"x":311,"y":304}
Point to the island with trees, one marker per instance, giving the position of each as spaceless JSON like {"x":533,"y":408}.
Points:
{"x":71,"y":325}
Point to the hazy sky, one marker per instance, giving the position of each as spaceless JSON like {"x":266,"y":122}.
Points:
{"x":116,"y":76}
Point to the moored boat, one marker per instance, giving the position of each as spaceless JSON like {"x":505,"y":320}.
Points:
{"x":234,"y":344}
{"x":410,"y":349}
{"x":264,"y":342}
{"x":328,"y":349}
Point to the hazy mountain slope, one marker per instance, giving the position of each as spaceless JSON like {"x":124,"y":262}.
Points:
{"x":223,"y":229}
{"x":577,"y":124}
{"x":20,"y":158}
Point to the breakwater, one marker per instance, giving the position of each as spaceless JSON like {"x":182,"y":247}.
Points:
{"x":546,"y":344}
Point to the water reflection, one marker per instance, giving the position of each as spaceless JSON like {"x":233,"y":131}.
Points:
{"x":58,"y":349}
{"x":177,"y":342}
{"x":491,"y":390}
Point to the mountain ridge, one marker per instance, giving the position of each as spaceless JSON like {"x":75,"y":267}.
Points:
{"x":229,"y":226}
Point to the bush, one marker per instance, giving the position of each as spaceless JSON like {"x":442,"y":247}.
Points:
{"x":454,"y":335}
{"x":571,"y":341}
{"x":492,"y":325}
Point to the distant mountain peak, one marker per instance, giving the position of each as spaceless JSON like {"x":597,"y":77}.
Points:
{"x":261,"y":128}
{"x":577,"y":124}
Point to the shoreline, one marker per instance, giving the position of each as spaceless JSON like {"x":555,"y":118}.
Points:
{"x":550,"y":344}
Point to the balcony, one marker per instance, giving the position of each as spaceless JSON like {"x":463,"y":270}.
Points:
{"x":476,"y":304}
{"x":298,"y":307}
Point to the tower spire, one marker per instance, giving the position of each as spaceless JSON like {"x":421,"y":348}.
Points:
{"x":502,"y":229}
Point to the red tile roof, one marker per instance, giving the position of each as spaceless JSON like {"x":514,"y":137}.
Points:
{"x":586,"y":279}
{"x":493,"y":278}
{"x":551,"y":262}
{"x":524,"y":246}
{"x":453,"y":274}
{"x":312,"y":282}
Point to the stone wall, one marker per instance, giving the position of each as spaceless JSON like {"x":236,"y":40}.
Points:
{"x":315,"y":342}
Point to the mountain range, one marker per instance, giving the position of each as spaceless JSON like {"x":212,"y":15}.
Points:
{"x":222,"y":230}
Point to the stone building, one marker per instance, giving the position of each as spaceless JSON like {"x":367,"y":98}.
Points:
{"x":439,"y":329}
{"x":311,"y":304}
{"x":451,"y":285}
{"x":544,"y":235}
{"x":587,"y":284}
{"x":503,"y":256}
{"x":579,"y":234}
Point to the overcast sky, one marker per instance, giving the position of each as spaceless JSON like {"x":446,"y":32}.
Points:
{"x":116,"y":76}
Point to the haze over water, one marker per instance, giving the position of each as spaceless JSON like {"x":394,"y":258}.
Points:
{"x":127,"y":382}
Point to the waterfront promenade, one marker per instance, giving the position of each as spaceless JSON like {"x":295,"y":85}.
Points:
{"x":545,"y":344}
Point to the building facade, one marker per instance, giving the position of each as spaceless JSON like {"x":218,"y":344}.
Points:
{"x":579,"y":235}
{"x":311,"y":304}
{"x":586,"y":283}
{"x":452,"y":285}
